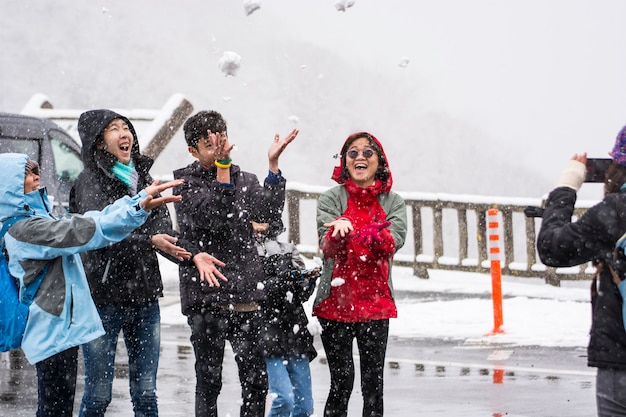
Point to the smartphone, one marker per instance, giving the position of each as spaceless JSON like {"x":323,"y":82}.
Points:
{"x":597,"y":169}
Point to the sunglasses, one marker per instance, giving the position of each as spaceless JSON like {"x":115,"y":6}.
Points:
{"x":353,"y":153}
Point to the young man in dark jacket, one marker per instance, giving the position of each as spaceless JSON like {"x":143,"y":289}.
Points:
{"x":223,"y":201}
{"x":124,"y":278}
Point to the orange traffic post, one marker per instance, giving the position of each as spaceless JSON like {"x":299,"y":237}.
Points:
{"x":493,"y":233}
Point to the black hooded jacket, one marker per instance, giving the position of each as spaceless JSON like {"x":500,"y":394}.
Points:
{"x":285,"y":321}
{"x":127,"y":272}
{"x":563,"y":243}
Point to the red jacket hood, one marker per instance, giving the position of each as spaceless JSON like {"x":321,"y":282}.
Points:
{"x":339,"y":168}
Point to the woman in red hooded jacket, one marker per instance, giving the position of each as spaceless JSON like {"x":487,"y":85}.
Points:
{"x":361,"y":224}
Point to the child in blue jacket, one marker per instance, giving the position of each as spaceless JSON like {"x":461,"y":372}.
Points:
{"x":62,"y":315}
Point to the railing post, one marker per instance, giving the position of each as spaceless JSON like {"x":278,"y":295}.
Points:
{"x":419,"y":270}
{"x":530,"y":243}
{"x":507,"y":229}
{"x":293,"y":219}
{"x":437,"y":232}
{"x":463,"y":238}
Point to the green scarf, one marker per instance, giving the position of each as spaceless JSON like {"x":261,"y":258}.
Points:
{"x":127,"y":174}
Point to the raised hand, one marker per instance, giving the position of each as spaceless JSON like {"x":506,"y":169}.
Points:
{"x":278,"y":146}
{"x":221,"y":145}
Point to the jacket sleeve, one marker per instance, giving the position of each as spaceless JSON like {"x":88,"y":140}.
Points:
{"x":329,"y":210}
{"x":87,"y":195}
{"x":213,"y":206}
{"x":563,"y":243}
{"x":44,"y":238}
{"x":622,"y":291}
{"x":395,"y":207}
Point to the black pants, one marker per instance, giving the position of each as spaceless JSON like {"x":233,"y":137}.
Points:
{"x":56,"y":384}
{"x":337,"y":338}
{"x":209,"y":331}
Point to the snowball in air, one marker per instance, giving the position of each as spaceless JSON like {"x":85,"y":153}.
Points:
{"x":404,"y":62}
{"x":249,"y":6}
{"x":342,"y":5}
{"x":229,"y":63}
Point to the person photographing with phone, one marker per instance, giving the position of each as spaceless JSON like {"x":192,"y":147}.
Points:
{"x":597,"y":236}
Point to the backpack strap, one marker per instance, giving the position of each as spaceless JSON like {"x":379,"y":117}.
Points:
{"x":28,"y":294}
{"x":5,"y":227}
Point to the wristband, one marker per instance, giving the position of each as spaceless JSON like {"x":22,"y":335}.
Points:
{"x":225,"y":161}
{"x":221,"y":165}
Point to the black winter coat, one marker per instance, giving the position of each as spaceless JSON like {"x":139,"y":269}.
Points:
{"x":217,"y":219}
{"x":563,"y":243}
{"x":285,"y":321}
{"x":127,"y":272}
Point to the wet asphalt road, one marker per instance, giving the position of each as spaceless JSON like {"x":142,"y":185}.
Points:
{"x":423,"y":377}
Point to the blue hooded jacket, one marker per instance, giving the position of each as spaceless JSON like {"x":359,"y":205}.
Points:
{"x":62,"y":314}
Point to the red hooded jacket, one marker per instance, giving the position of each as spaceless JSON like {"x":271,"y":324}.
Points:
{"x":360,"y":289}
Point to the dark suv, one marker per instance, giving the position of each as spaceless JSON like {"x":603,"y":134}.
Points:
{"x":56,"y":151}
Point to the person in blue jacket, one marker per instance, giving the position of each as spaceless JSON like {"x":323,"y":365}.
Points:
{"x":63,"y":315}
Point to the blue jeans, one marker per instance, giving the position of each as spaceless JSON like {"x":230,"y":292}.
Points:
{"x":141,"y":326}
{"x":290,"y":380}
{"x":611,"y":392}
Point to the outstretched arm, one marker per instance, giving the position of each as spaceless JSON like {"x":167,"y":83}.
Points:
{"x":154,"y":199}
{"x":277,"y":147}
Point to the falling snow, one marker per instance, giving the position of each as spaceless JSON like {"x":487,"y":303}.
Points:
{"x":229,"y":63}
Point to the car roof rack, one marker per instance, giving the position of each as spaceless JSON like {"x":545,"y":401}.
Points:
{"x":155,"y":128}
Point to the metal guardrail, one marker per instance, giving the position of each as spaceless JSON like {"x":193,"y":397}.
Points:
{"x":448,"y":232}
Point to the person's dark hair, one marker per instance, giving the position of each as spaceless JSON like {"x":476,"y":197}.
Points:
{"x":196,"y":126}
{"x":383,"y":171}
{"x":32,"y":167}
{"x":615,"y":178}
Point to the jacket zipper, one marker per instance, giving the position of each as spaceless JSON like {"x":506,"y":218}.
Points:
{"x":105,"y":276}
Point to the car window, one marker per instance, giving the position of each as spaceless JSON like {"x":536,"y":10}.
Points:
{"x":29,"y":147}
{"x":67,"y":162}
